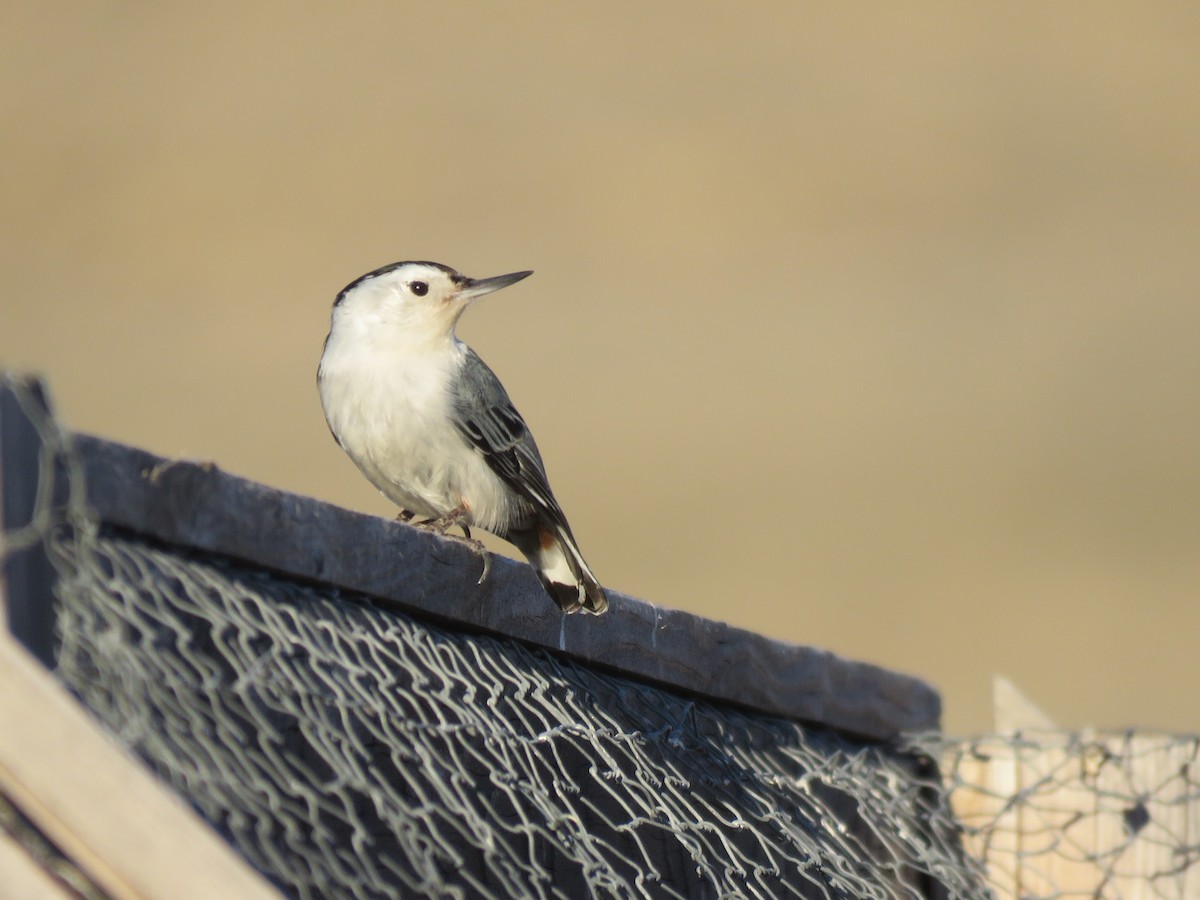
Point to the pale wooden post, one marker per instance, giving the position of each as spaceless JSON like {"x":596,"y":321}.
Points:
{"x":1054,"y":813}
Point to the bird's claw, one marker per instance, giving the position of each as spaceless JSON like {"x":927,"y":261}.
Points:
{"x":476,"y":547}
{"x":454,"y":519}
{"x":486,"y":558}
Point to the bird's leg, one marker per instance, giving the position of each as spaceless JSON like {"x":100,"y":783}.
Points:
{"x":405,"y":515}
{"x":454,"y":519}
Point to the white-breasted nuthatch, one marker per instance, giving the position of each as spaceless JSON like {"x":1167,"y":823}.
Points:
{"x":431,"y":426}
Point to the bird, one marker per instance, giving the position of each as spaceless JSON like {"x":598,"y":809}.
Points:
{"x":431,"y":426}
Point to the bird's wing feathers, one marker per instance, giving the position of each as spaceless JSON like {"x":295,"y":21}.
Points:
{"x":487,"y":418}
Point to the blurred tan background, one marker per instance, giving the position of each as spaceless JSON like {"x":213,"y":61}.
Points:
{"x":870,"y":327}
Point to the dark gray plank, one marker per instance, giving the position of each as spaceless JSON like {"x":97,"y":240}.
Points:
{"x":197,"y":505}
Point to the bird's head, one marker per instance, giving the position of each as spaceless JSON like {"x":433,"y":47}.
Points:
{"x":424,"y":299}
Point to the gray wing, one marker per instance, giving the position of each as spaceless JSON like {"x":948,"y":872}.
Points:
{"x":488,"y":420}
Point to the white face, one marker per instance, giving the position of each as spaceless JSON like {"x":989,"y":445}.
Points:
{"x":422,"y":299}
{"x":418,"y":297}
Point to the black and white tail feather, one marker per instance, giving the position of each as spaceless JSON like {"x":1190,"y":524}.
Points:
{"x":488,"y":420}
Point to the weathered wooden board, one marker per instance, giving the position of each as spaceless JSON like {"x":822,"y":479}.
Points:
{"x":197,"y":505}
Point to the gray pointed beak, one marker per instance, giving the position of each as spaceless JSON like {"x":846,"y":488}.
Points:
{"x":477,"y":287}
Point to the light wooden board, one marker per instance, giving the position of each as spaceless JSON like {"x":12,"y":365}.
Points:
{"x":98,"y":805}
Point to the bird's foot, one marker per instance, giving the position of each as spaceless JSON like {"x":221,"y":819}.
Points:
{"x":442,"y":524}
{"x":454,"y":519}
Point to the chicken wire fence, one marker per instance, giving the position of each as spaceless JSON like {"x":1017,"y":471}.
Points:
{"x":1067,"y":814}
{"x":347,"y":749}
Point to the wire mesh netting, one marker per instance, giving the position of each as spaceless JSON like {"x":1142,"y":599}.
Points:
{"x":347,"y":749}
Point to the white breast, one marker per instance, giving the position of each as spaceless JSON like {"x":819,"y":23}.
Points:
{"x":389,"y":405}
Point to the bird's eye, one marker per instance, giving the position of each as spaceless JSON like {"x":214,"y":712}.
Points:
{"x":420,"y":288}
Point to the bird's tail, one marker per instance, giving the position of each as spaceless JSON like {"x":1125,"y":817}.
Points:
{"x":559,"y":564}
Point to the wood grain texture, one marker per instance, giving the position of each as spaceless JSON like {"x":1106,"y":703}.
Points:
{"x":197,"y":505}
